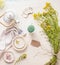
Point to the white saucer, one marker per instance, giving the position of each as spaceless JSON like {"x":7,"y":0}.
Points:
{"x":8,"y":57}
{"x":19,"y":43}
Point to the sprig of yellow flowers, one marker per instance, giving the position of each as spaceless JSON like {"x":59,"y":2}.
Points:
{"x":50,"y":26}
{"x":2,"y":3}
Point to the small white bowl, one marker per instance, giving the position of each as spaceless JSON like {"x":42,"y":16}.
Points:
{"x":8,"y":57}
{"x":19,"y":43}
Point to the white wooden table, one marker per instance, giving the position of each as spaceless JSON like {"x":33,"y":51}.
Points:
{"x":17,"y":6}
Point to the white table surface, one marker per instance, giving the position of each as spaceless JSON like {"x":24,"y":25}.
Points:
{"x":17,"y":6}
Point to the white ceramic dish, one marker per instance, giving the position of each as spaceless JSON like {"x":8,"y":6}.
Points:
{"x":19,"y":43}
{"x":8,"y":57}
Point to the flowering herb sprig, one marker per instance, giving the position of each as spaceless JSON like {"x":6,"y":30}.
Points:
{"x":50,"y":25}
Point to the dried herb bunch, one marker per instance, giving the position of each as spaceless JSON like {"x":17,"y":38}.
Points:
{"x":50,"y":25}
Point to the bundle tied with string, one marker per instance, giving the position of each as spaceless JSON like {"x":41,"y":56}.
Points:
{"x":50,"y":26}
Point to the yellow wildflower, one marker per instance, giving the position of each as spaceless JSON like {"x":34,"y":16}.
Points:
{"x":1,"y":3}
{"x":48,"y":27}
{"x":47,"y":5}
{"x":17,"y":42}
{"x":35,"y":16}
